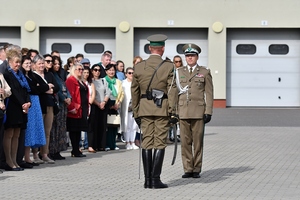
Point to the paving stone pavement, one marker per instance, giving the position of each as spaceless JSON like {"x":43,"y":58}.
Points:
{"x":241,"y":161}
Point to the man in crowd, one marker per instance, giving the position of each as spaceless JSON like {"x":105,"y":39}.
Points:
{"x":85,"y":62}
{"x":105,"y":60}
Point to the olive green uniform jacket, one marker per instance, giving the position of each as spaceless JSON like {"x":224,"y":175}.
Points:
{"x":198,"y":100}
{"x":163,"y":80}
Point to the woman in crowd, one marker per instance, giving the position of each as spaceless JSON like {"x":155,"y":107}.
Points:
{"x":78,"y":108}
{"x":17,"y":109}
{"x":115,"y":99}
{"x":120,"y":70}
{"x":48,"y":62}
{"x":70,"y":63}
{"x":136,"y":60}
{"x":99,"y":110}
{"x":47,"y":102}
{"x":58,"y":135}
{"x":4,"y":93}
{"x":35,"y":133}
{"x":88,"y":80}
{"x":128,"y":125}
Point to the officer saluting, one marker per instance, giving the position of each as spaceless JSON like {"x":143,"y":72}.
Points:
{"x":152,"y":107}
{"x":195,"y":104}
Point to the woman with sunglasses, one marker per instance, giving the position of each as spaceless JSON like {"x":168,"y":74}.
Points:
{"x":78,"y":108}
{"x":48,"y":61}
{"x":128,"y":125}
{"x":99,"y":110}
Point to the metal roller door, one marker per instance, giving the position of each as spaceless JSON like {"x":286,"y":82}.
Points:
{"x":10,"y":35}
{"x":263,"y":68}
{"x":91,"y":42}
{"x":176,"y":39}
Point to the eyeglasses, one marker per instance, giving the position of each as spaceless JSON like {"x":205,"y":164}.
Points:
{"x":80,"y":69}
{"x":28,"y":63}
{"x":48,"y":61}
{"x":129,"y":72}
{"x":96,"y":70}
{"x":177,"y":61}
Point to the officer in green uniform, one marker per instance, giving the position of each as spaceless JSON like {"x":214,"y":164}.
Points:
{"x":153,"y":105}
{"x":195,"y":104}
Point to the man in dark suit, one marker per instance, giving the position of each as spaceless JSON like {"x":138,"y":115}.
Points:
{"x":105,"y":60}
{"x":195,"y":104}
{"x":152,"y":106}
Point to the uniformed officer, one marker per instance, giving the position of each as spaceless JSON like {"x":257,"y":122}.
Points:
{"x":195,"y":104}
{"x":152,"y":105}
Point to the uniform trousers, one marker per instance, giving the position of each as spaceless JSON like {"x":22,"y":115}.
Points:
{"x":155,"y":131}
{"x":191,"y":135}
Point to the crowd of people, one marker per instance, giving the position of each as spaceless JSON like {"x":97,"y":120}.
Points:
{"x":50,"y":106}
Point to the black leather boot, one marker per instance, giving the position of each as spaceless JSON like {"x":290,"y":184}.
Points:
{"x":158,"y":158}
{"x":147,"y":163}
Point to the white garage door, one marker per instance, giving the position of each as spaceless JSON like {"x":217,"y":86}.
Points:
{"x":264,"y":71}
{"x":91,"y":42}
{"x":176,"y":39}
{"x":10,"y":35}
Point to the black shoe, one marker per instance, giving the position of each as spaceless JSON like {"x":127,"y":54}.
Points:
{"x":57,"y":156}
{"x":33,"y":163}
{"x":78,"y":155}
{"x":15,"y":169}
{"x":25,"y":165}
{"x":196,"y":175}
{"x":187,"y":175}
{"x":60,"y":157}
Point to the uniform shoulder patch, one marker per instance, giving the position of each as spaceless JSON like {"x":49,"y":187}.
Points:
{"x":205,"y":67}
{"x":180,"y":68}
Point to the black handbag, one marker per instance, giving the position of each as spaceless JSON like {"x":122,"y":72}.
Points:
{"x":56,"y":107}
{"x":2,"y":113}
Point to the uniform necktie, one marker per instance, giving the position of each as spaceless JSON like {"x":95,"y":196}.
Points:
{"x":191,"y":70}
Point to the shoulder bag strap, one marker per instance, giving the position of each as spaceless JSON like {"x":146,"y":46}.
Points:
{"x":154,"y":74}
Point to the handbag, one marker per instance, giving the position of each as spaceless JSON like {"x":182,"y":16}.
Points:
{"x":113,"y":120}
{"x":56,"y":108}
{"x":2,"y":113}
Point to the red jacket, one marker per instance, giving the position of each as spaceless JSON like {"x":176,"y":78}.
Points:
{"x":73,"y":86}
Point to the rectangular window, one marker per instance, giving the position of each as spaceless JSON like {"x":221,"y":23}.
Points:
{"x":61,"y":47}
{"x":94,"y":48}
{"x":246,"y":49}
{"x":278,"y":49}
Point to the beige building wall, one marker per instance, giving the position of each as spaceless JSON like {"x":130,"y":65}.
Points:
{"x":156,"y":14}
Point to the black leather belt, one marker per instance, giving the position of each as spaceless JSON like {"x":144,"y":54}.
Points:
{"x":145,"y":96}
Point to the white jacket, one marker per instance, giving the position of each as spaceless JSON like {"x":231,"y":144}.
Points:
{"x":124,"y":108}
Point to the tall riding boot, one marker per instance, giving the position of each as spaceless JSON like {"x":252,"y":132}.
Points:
{"x":147,"y":162}
{"x":158,"y":159}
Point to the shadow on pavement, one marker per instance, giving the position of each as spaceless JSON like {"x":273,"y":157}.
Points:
{"x":211,"y":176}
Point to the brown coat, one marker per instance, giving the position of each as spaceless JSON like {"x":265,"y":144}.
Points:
{"x":199,"y":98}
{"x":162,"y":81}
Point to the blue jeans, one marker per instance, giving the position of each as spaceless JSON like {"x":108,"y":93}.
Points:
{"x":83,"y":140}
